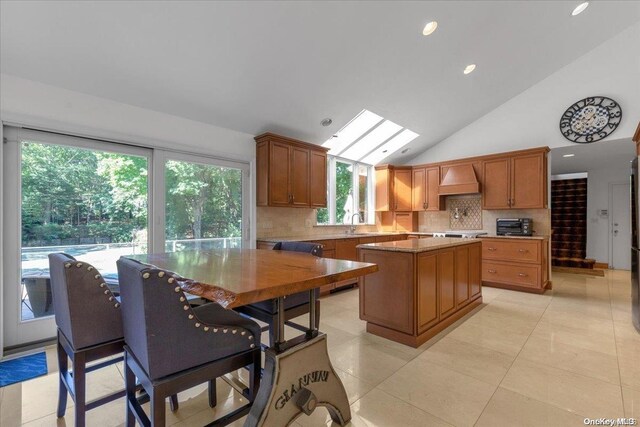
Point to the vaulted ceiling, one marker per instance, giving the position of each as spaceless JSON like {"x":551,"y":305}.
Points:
{"x":285,"y":66}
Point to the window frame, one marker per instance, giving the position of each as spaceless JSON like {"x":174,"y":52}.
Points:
{"x":331,"y":191}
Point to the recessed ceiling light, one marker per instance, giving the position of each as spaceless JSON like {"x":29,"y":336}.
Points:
{"x":580,"y":8}
{"x":429,"y":28}
{"x":469,"y":68}
{"x":568,"y":155}
{"x":326,"y":122}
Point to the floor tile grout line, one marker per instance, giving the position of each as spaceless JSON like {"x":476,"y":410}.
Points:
{"x":615,"y":340}
{"x":514,"y":361}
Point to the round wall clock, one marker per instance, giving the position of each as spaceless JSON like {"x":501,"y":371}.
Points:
{"x":590,"y":119}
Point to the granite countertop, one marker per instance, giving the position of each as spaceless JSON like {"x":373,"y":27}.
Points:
{"x":315,"y":238}
{"x":418,"y":245}
{"x":495,"y":236}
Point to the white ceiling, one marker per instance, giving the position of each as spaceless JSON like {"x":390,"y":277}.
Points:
{"x":607,"y":154}
{"x":284,"y":66}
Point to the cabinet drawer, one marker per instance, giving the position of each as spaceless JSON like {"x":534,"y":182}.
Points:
{"x":511,"y":250}
{"x":514,"y":274}
{"x":327,"y":245}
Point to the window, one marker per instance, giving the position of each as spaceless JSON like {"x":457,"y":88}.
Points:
{"x":100,"y":200}
{"x":349,"y":192}
{"x":369,"y":138}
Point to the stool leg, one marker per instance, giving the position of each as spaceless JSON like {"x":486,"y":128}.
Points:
{"x":255,"y":371}
{"x":79,"y":387}
{"x":130,"y":387}
{"x":63,"y":368}
{"x":173,"y":403}
{"x":213,"y":398}
{"x":157,"y":409}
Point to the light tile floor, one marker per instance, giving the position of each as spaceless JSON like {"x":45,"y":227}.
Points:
{"x":519,"y":360}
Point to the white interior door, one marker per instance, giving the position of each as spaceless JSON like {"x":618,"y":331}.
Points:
{"x":620,"y":226}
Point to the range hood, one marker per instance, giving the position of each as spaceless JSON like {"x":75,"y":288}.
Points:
{"x":458,"y":179}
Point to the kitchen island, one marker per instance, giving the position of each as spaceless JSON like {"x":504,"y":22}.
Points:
{"x":421,"y":287}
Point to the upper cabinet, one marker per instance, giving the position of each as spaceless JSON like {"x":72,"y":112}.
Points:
{"x":290,"y":172}
{"x":515,"y":181}
{"x":425,"y":195}
{"x":393,"y":188}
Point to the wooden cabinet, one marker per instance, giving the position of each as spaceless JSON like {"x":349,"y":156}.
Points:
{"x":516,"y":181}
{"x":512,"y":263}
{"x":425,"y":195}
{"x":413,"y":296}
{"x":393,"y":188}
{"x":462,"y":276}
{"x":346,"y":249}
{"x":427,"y":288}
{"x":290,"y":173}
{"x":318,"y":179}
{"x":446,"y":282}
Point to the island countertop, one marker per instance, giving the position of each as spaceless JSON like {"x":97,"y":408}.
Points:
{"x":418,"y":245}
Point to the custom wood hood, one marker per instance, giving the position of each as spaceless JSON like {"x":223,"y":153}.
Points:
{"x":458,"y":179}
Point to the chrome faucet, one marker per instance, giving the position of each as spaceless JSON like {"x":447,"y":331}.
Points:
{"x":353,"y":226}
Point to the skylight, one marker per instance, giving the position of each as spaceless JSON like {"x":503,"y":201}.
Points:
{"x":352,"y":131}
{"x":369,"y":138}
{"x":396,"y":143}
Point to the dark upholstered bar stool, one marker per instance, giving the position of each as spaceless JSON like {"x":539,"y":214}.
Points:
{"x":89,"y":328}
{"x":171,"y":346}
{"x":295,"y":305}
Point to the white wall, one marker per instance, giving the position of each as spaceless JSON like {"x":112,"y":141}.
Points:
{"x":598,"y":181}
{"x":27,"y":102}
{"x":531,"y":118}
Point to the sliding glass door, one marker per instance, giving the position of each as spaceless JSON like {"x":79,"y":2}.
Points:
{"x":203,"y":201}
{"x":62,"y":194}
{"x":98,"y":201}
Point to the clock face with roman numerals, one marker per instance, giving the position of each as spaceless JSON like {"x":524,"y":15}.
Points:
{"x":590,"y":119}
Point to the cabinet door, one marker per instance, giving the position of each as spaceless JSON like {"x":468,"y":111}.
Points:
{"x":446,"y":282}
{"x":318,"y":180}
{"x":402,"y":189}
{"x":462,"y":275}
{"x":427,"y":291}
{"x":528,"y":181}
{"x":346,"y":249}
{"x":495,"y":192}
{"x":279,"y":174}
{"x":262,"y":173}
{"x":475,"y":270}
{"x":384,"y":195}
{"x":432,"y":196}
{"x":419,"y":190}
{"x":299,"y":176}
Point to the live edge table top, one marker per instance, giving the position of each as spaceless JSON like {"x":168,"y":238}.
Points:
{"x":237,"y":277}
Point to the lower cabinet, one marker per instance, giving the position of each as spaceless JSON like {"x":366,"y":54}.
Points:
{"x":516,"y":263}
{"x":413,"y":296}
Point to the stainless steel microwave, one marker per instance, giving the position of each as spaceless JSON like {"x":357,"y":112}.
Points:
{"x":514,"y":226}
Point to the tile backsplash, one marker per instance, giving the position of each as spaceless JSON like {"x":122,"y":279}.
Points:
{"x":288,"y":222}
{"x":478,"y":219}
{"x":465,"y":213}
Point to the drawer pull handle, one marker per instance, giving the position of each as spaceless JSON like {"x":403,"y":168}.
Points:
{"x":492,"y":271}
{"x":522,"y":274}
{"x":492,"y":249}
{"x":522,"y":251}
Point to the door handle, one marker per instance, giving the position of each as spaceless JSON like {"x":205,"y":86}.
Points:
{"x":522,"y":274}
{"x":491,"y":271}
{"x":492,"y":249}
{"x":522,"y":251}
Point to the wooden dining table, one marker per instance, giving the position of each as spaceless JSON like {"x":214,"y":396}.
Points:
{"x":298,"y":375}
